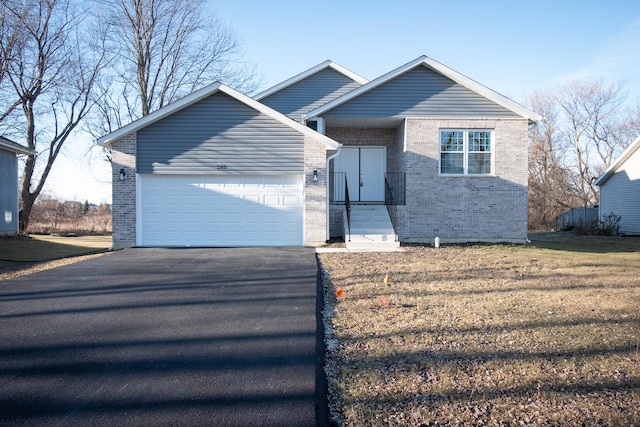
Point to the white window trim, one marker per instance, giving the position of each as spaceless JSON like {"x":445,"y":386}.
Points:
{"x":465,"y":152}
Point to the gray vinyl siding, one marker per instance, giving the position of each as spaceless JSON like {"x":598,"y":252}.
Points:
{"x":8,"y":192}
{"x":219,"y":135}
{"x":420,"y":92}
{"x":620,"y":194}
{"x":310,"y":93}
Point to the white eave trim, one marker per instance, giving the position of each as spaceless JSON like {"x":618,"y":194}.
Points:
{"x":14,"y":147}
{"x":441,"y":69}
{"x":308,"y":73}
{"x":205,"y":92}
{"x":631,"y":149}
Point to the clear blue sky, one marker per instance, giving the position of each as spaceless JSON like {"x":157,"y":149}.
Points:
{"x":512,"y":46}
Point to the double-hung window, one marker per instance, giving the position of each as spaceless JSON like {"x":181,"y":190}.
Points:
{"x":466,"y":152}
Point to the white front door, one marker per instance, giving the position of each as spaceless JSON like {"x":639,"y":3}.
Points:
{"x":348,"y":162}
{"x":372,"y":170}
{"x":365,"y":168}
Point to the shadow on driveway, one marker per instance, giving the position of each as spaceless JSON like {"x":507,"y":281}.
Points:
{"x":164,"y":337}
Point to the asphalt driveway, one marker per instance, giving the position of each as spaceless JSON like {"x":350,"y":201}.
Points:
{"x":164,"y":337}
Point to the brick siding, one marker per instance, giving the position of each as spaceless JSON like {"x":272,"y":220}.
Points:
{"x":464,"y":208}
{"x":336,"y":221}
{"x":123,"y":152}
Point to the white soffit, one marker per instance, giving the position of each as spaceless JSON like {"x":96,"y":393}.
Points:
{"x":14,"y":147}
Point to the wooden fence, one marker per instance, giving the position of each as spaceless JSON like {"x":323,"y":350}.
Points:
{"x":576,"y":217}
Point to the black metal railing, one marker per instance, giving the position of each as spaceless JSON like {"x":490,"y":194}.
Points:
{"x":347,"y":205}
{"x":394,"y":194}
{"x":395,"y":188}
{"x":339,"y":194}
{"x":388,"y":201}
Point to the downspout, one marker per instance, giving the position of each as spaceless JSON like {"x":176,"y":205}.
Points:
{"x":320,"y":129}
{"x":329,"y":189}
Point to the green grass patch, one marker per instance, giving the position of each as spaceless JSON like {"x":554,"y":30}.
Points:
{"x":47,"y":248}
{"x":26,"y":255}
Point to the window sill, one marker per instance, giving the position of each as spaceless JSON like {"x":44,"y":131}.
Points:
{"x":451,"y":175}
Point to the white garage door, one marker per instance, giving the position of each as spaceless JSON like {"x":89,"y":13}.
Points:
{"x":220,"y":211}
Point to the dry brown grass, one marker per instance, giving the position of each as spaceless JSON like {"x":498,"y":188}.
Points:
{"x":544,"y":334}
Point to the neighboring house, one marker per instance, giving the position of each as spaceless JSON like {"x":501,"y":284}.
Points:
{"x":432,"y":152}
{"x":620,"y":189}
{"x":9,"y":152}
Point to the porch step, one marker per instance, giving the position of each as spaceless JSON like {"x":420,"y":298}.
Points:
{"x":371,"y":229}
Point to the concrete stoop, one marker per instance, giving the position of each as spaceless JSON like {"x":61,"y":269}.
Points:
{"x":371,"y":229}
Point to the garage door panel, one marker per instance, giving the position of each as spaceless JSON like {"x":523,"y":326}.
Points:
{"x":292,"y":201}
{"x":220,"y":211}
{"x":252,"y":198}
{"x":272,"y":200}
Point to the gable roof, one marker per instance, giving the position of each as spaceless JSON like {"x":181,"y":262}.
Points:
{"x":438,"y":68}
{"x":205,"y":92}
{"x":14,"y":147}
{"x":631,"y":149}
{"x":308,"y":73}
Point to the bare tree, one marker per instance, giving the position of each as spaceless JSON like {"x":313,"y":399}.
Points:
{"x":163,"y":50}
{"x":12,"y":40}
{"x":103,"y":216}
{"x":48,"y":213}
{"x":583,"y":130}
{"x":51,"y":77}
{"x":594,"y":130}
{"x":630,"y":129}
{"x":73,"y":213}
{"x":549,"y":192}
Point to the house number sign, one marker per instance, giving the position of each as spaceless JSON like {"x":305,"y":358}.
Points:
{"x":222,"y":167}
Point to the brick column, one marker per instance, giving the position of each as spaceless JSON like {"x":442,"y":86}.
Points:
{"x":315,"y":193}
{"x":123,"y":152}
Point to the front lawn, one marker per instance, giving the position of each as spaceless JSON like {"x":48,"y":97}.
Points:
{"x":543,"y":334}
{"x":21,"y":255}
